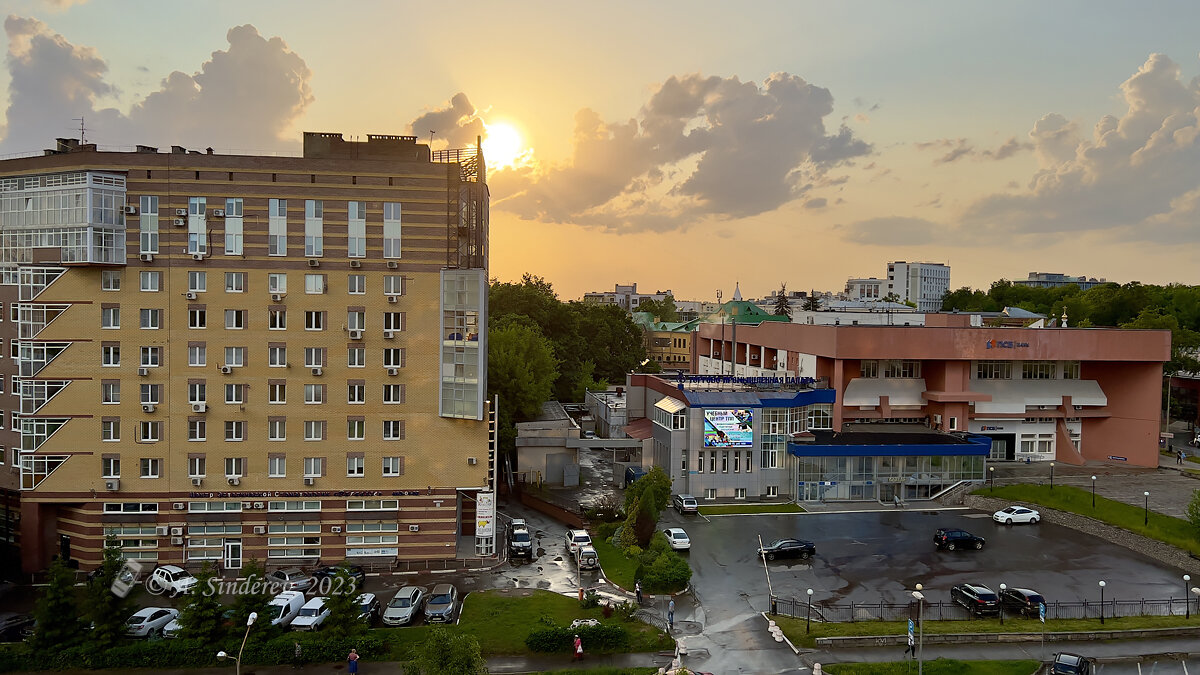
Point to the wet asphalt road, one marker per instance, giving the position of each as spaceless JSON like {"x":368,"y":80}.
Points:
{"x":1161,"y":667}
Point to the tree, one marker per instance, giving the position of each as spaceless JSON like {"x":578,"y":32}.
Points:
{"x":782,"y":306}
{"x":662,"y":310}
{"x":655,"y":478}
{"x":891,"y":297}
{"x":253,"y":595}
{"x":56,"y":611}
{"x":1193,"y":511}
{"x":445,"y":653}
{"x":106,"y":610}
{"x":202,"y":618}
{"x":342,"y":603}
{"x":811,"y":303}
{"x":645,"y":515}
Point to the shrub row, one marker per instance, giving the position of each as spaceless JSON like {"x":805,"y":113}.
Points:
{"x":602,"y":638}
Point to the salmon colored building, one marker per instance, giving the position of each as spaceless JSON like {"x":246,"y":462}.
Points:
{"x":1039,"y":394}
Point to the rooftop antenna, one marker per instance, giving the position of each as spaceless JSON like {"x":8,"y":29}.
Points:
{"x":82,"y":129}
{"x":431,"y":133}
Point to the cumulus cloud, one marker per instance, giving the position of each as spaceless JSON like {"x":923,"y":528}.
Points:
{"x":891,"y":231}
{"x":245,"y":97}
{"x":700,"y":147}
{"x":458,"y":124}
{"x":1134,"y":176}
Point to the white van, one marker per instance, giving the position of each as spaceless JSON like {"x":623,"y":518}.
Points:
{"x":285,"y":607}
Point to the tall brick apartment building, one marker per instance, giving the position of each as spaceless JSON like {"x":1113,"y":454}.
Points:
{"x":226,"y":357}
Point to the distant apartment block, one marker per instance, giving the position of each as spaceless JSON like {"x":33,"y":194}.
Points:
{"x":866,"y":289}
{"x":919,"y":282}
{"x":1056,"y":280}
{"x":625,"y":297}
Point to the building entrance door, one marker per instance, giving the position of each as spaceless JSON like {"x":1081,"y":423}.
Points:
{"x":1004,"y":448}
{"x":233,"y":554}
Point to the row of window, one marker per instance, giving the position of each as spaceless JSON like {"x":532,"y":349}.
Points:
{"x":150,"y":281}
{"x":235,"y":357}
{"x":150,"y":431}
{"x":235,"y":467}
{"x":277,"y":505}
{"x":1030,"y":370}
{"x":235,"y":394}
{"x":729,"y":460}
{"x":237,"y":319}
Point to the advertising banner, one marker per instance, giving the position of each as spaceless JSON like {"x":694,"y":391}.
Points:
{"x":728,"y":428}
{"x":485,"y":514}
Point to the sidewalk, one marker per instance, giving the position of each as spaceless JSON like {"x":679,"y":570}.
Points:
{"x":1115,"y":649}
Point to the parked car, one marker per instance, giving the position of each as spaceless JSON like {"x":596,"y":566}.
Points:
{"x":356,"y":572}
{"x":284,"y":607}
{"x":587,"y":558}
{"x":520,"y":541}
{"x":172,"y":579}
{"x":403,"y":606}
{"x":368,"y":607}
{"x":677,"y":538}
{"x":173,"y":629}
{"x":788,"y":548}
{"x":952,"y":539}
{"x":685,"y":504}
{"x":149,"y":621}
{"x":13,"y":625}
{"x":577,"y":538}
{"x":291,"y":579}
{"x":1070,"y":664}
{"x":312,"y":615}
{"x":1022,"y":601}
{"x":976,"y":598}
{"x":441,"y":604}
{"x":589,"y":434}
{"x":632,"y":474}
{"x":1017,"y":514}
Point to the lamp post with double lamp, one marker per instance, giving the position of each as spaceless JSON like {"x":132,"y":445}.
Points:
{"x":1093,"y":492}
{"x":1187,"y":605}
{"x":237,"y":660}
{"x":1146,"y":509}
{"x":920,"y":629}
{"x":808,"y":619}
{"x":1000,"y":603}
{"x":1052,"y":476}
{"x":1102,"y":584}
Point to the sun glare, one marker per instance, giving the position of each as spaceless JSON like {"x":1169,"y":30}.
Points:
{"x":502,"y":145}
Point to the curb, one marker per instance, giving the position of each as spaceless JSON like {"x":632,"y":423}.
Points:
{"x":785,"y":637}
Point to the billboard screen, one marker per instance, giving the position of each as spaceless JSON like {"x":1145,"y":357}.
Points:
{"x":728,"y":428}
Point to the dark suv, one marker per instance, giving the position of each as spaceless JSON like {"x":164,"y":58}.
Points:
{"x":978,"y":599}
{"x":1022,"y":601}
{"x":952,"y":539}
{"x":1070,"y":664}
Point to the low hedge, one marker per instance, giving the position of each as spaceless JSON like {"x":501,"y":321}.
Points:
{"x":601,"y":638}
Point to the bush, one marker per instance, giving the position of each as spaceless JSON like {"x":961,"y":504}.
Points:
{"x":668,"y":572}
{"x":590,"y":600}
{"x":625,"y":610}
{"x":602,"y":638}
{"x":605,"y":531}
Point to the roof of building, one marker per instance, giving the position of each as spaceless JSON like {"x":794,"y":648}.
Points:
{"x":864,"y":440}
{"x":758,"y":399}
{"x":640,"y":429}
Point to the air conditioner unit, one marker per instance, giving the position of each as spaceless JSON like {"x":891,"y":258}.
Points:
{"x":259,"y":529}
{"x":199,"y":407}
{"x":393,"y":371}
{"x":112,"y":484}
{"x":336,"y":529}
{"x":177,"y":541}
{"x":389,"y":334}
{"x":148,"y":408}
{"x":414,"y":528}
{"x":356,"y":263}
{"x":197,"y":256}
{"x":234,"y":480}
{"x":143,"y":371}
{"x":179,"y":506}
{"x":309,"y":480}
{"x":218,"y":213}
{"x":356,"y":335}
{"x":180,"y":222}
{"x":190,"y":295}
{"x":146,"y":257}
{"x":181,"y":212}
{"x":176,"y":531}
{"x":393,"y":299}
{"x":226,"y":369}
{"x":313,"y":262}
{"x":317,"y":371}
{"x":392,"y":264}
{"x":259,"y":505}
{"x":131,"y":210}
{"x":161,"y":530}
{"x":277,"y":297}
{"x":245,"y":505}
{"x":471,"y":461}
{"x":197,"y":481}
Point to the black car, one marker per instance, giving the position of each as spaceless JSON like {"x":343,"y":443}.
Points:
{"x":976,"y":598}
{"x":1022,"y":601}
{"x":952,"y":539}
{"x":357,"y":574}
{"x":520,"y":543}
{"x":1070,"y":664}
{"x":788,"y":548}
{"x":15,"y":626}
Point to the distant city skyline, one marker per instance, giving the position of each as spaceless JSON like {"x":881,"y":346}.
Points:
{"x":785,"y":142}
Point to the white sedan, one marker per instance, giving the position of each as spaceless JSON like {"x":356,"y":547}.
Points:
{"x":1016,"y":514}
{"x":677,"y":538}
{"x":149,"y":621}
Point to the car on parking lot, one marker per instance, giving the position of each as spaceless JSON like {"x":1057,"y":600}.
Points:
{"x":1017,"y":514}
{"x":685,"y":504}
{"x":173,"y":629}
{"x":953,"y":539}
{"x":403,"y":606}
{"x":577,"y":538}
{"x":788,"y":548}
{"x":976,"y":598}
{"x":284,"y":607}
{"x":520,"y":541}
{"x":587,"y":558}
{"x":13,"y":625}
{"x":356,"y":572}
{"x":312,"y":615}
{"x":1022,"y":601}
{"x":291,"y":579}
{"x":441,"y":604}
{"x":149,"y":621}
{"x":172,"y":579}
{"x":368,"y":608}
{"x":677,"y":538}
{"x":589,"y":434}
{"x":1070,"y":664}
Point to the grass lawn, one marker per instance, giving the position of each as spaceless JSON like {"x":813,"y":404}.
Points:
{"x":1174,"y":531}
{"x":750,"y":508}
{"x":617,"y":567}
{"x":794,"y":628}
{"x":937,"y":667}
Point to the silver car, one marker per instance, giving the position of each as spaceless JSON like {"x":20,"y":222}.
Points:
{"x":403,"y":606}
{"x":441,"y":604}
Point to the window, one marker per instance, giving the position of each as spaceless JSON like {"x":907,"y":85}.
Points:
{"x":393,"y":321}
{"x":393,"y":393}
{"x":314,"y":430}
{"x":902,"y":369}
{"x":235,"y":467}
{"x":277,"y":357}
{"x":149,"y":224}
{"x":110,"y":317}
{"x":1039,"y":370}
{"x":197,"y":430}
{"x":314,"y":357}
{"x":356,"y":430}
{"x":710,"y":493}
{"x":820,"y":417}
{"x":214,"y":507}
{"x":712,"y":461}
{"x":197,"y":467}
{"x":277,"y":283}
{"x":151,"y":357}
{"x":235,"y":357}
{"x":1070,"y":370}
{"x":235,"y":430}
{"x":276,"y":319}
{"x":391,"y":229}
{"x":772,"y":490}
{"x":356,"y":320}
{"x":197,"y":392}
{"x":393,"y":284}
{"x":110,"y":391}
{"x":110,"y":467}
{"x":314,"y":284}
{"x":868,"y":368}
{"x":393,"y":357}
{"x":314,"y":393}
{"x":197,"y":317}
{"x":151,"y":281}
{"x":110,"y":430}
{"x":356,"y":393}
{"x":233,"y":226}
{"x":314,"y":320}
{"x":277,"y":430}
{"x":356,"y":284}
{"x":276,"y":392}
{"x":276,"y":467}
{"x":737,"y":463}
{"x":151,"y":319}
{"x":197,"y":281}
{"x":355,"y":467}
{"x":372,"y":504}
{"x":235,"y":319}
{"x":110,"y":280}
{"x":235,"y":394}
{"x":993,"y":370}
{"x":356,"y":242}
{"x":151,"y":467}
{"x":277,"y":227}
{"x":739,"y":493}
{"x":725,"y":462}
{"x":296,"y":505}
{"x":314,"y":467}
{"x":151,"y":394}
{"x":314,"y":213}
{"x":393,"y":430}
{"x":149,"y":432}
{"x":235,"y":282}
{"x":749,"y":461}
{"x":393,"y":466}
{"x":197,"y":231}
{"x":197,"y":355}
{"x":356,"y":357}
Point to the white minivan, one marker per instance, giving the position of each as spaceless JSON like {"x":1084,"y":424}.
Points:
{"x":285,"y":607}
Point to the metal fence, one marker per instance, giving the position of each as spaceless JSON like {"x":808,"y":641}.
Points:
{"x":950,"y":611}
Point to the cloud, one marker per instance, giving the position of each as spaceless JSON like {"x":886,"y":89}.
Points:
{"x":816,"y":203}
{"x":62,"y":5}
{"x":891,"y":231}
{"x":960,"y":148}
{"x":1135,"y":176}
{"x":1009,"y":148}
{"x":458,"y":124}
{"x":701,"y":147}
{"x":245,"y":97}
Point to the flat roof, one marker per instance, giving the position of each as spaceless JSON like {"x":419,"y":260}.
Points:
{"x":869,"y":440}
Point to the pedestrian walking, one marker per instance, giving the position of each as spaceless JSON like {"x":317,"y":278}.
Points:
{"x":911,"y":648}
{"x":1179,"y":459}
{"x":671,"y":615}
{"x":296,"y":657}
{"x":353,"y":661}
{"x":637,"y":588}
{"x":577,"y":652}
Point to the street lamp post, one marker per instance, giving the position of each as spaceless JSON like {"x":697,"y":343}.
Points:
{"x":808,"y":618}
{"x":1093,"y":492}
{"x":237,"y":660}
{"x":992,"y":476}
{"x":1146,"y":509}
{"x":921,"y":629}
{"x":1102,"y":602}
{"x":1000,"y":603}
{"x":1187,"y":605}
{"x":1196,"y":592}
{"x":1052,"y":476}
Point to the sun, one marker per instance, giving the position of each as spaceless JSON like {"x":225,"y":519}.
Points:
{"x":501,"y":145}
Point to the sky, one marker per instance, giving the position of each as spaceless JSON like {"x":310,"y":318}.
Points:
{"x":688,"y":146}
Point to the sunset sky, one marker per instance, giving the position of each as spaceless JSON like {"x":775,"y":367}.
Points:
{"x":687,"y":145}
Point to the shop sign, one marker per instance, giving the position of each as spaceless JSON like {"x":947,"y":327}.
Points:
{"x":1118,"y":459}
{"x":1004,"y":344}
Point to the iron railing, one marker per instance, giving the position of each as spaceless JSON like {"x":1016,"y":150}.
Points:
{"x":950,"y":611}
